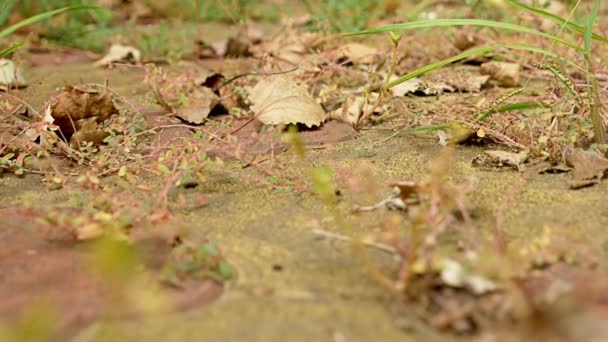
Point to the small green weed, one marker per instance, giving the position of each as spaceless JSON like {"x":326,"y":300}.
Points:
{"x":198,"y":261}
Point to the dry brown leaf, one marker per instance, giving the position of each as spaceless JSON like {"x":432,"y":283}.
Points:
{"x":351,"y":110}
{"x":408,"y":87}
{"x":281,"y":100}
{"x":588,"y":167}
{"x":198,"y":105}
{"x":506,"y":74}
{"x":87,"y":131}
{"x":462,"y":78}
{"x":75,"y":104}
{"x":420,"y":87}
{"x":465,"y":39}
{"x":291,"y":46}
{"x":358,"y":53}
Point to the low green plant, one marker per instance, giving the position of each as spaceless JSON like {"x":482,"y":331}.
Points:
{"x":37,"y":18}
{"x":198,"y":261}
{"x":592,"y":85}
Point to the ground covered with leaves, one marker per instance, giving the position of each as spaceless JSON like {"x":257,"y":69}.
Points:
{"x":343,"y":171}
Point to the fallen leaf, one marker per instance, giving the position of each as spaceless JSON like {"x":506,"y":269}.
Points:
{"x":418,"y":86}
{"x":87,"y":131}
{"x":472,"y":83}
{"x":357,"y":53}
{"x":10,"y":75}
{"x":281,"y":100}
{"x":120,"y":53}
{"x":506,"y":74}
{"x":410,"y":86}
{"x":198,"y":105}
{"x":588,"y":167}
{"x":465,"y":39}
{"x":291,"y":47}
{"x":77,"y":103}
{"x":351,"y":110}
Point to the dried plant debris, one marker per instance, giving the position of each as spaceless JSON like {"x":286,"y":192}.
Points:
{"x":351,"y":53}
{"x":120,"y":53}
{"x":355,"y":105}
{"x":197,"y":106}
{"x":88,"y":130}
{"x":282,"y":100}
{"x":455,"y":275}
{"x":446,"y":82}
{"x":79,"y":110}
{"x":350,"y":111}
{"x":10,"y":75}
{"x":588,"y":167}
{"x":236,"y":46}
{"x":417,"y":86}
{"x":291,"y":47}
{"x":453,"y":300}
{"x":493,"y":160}
{"x":404,"y":194}
{"x":505,"y":74}
{"x":465,"y":39}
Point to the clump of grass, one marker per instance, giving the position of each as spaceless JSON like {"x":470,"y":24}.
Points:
{"x":592,"y":86}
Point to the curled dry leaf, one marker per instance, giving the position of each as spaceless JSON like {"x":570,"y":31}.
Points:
{"x":465,"y":39}
{"x":198,"y":105}
{"x":419,"y":87}
{"x":239,"y":45}
{"x":74,"y":104}
{"x":87,"y":131}
{"x":120,"y":53}
{"x":10,"y":75}
{"x":588,"y":167}
{"x":291,"y":46}
{"x":281,"y":100}
{"x":357,"y":53}
{"x":350,"y":111}
{"x":506,"y":74}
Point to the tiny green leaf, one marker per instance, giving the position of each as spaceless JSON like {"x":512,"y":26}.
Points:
{"x":225,"y":270}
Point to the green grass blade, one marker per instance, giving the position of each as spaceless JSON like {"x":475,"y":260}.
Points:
{"x":416,"y":130}
{"x":42,"y":16}
{"x":462,"y":22}
{"x":522,"y":106}
{"x":10,"y":49}
{"x":556,"y":19}
{"x":470,"y":53}
{"x":437,"y":65}
{"x":588,"y":34}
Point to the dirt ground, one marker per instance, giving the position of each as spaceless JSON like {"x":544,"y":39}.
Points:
{"x":290,"y":283}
